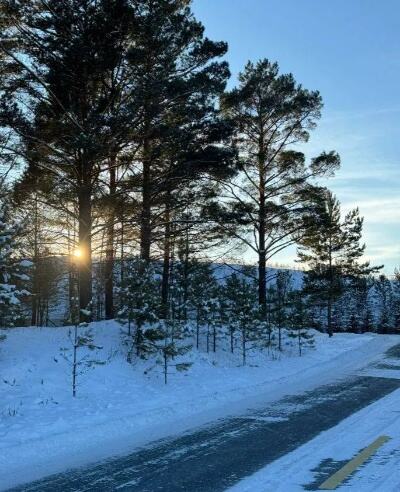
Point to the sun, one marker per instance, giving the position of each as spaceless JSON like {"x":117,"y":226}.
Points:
{"x":78,"y":253}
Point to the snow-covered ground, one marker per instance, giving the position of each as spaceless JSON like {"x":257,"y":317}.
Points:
{"x":119,"y":406}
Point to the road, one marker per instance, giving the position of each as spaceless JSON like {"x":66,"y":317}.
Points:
{"x":215,"y":457}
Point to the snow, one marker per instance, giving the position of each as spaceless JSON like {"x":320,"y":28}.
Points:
{"x":121,"y":406}
{"x":26,"y":263}
{"x":341,"y":443}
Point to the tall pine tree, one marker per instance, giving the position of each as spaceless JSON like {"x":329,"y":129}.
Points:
{"x":271,"y":113}
{"x":332,"y":251}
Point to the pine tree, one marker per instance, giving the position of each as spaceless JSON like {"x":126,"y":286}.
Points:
{"x":29,"y":196}
{"x":282,"y":293}
{"x":168,"y":337}
{"x":140,"y":302}
{"x":299,"y":322}
{"x":243,"y":312}
{"x":201,"y":289}
{"x":271,"y":114}
{"x":368,"y":321}
{"x":68,"y":71}
{"x":13,"y":271}
{"x":82,"y":354}
{"x":396,"y":299}
{"x":331,"y":249}
{"x":179,"y":79}
{"x":361,"y":312}
{"x":213,"y":319}
{"x":168,"y":340}
{"x":345,"y":316}
{"x":384,"y":304}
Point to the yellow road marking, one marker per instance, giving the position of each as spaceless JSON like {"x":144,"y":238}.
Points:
{"x":337,"y":478}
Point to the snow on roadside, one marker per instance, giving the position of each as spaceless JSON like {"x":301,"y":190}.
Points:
{"x":341,"y":443}
{"x":44,"y":430}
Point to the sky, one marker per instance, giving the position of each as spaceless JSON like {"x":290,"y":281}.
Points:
{"x":349,"y":50}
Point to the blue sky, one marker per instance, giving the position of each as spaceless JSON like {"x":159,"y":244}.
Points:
{"x":350,"y":51}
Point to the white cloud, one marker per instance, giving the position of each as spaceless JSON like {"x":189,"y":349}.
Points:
{"x":378,"y":211}
{"x":381,"y":253}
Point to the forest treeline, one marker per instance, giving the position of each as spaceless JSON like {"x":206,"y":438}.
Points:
{"x":123,"y":151}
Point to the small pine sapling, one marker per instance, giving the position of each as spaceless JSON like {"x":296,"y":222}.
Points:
{"x":141,"y":304}
{"x":80,"y":341}
{"x":212,"y":310}
{"x":202,"y":284}
{"x":282,"y":296}
{"x":243,"y":311}
{"x":78,"y":354}
{"x":299,"y":322}
{"x":167,"y":341}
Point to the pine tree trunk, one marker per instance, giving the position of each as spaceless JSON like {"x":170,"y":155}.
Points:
{"x":145,"y":229}
{"x":280,"y":339}
{"x":122,"y":263}
{"x":122,"y":258}
{"x":109,"y":264}
{"x":330,"y":292}
{"x":34,"y":316}
{"x":85,"y":245}
{"x":299,"y":340}
{"x":138,"y":340}
{"x":330,"y":332}
{"x":244,"y":346}
{"x":197,"y":329}
{"x":35,"y":293}
{"x":186,"y":275}
{"x":165,"y":368}
{"x":214,"y":338}
{"x":71,"y":268}
{"x":262,"y":288}
{"x":74,"y":361}
{"x":70,"y":289}
{"x":262,"y":283}
{"x":166,"y":262}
